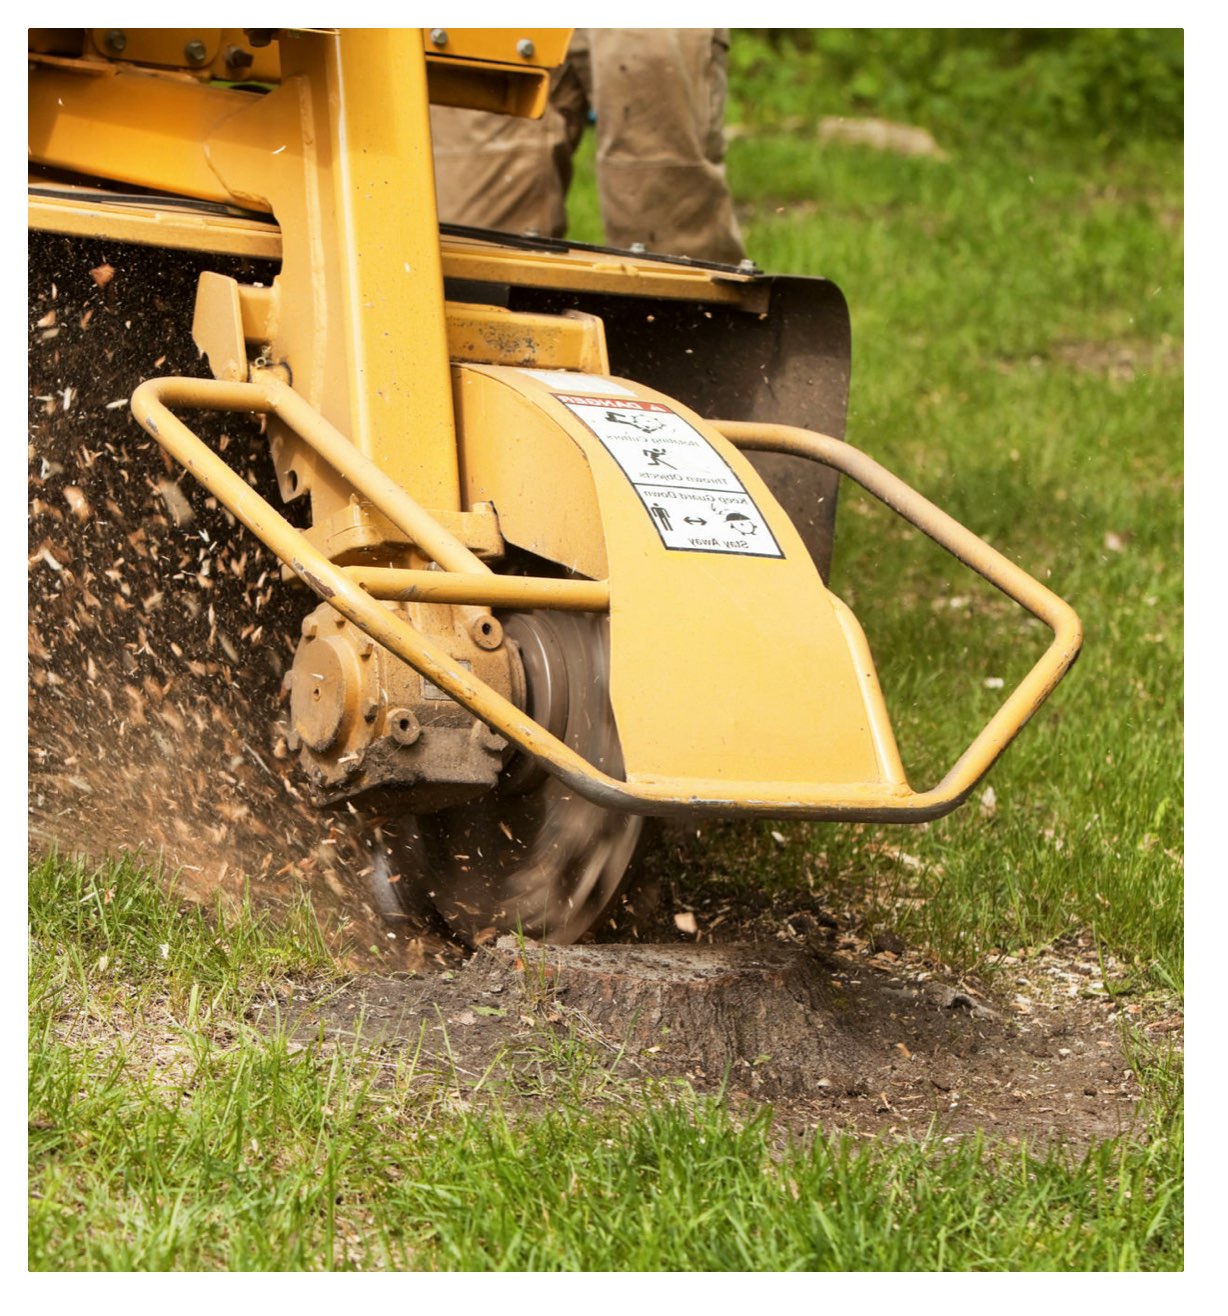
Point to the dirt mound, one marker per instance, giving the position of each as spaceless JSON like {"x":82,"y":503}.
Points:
{"x":159,"y":630}
{"x":829,"y":1040}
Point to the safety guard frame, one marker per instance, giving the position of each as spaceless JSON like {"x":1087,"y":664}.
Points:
{"x":355,"y":592}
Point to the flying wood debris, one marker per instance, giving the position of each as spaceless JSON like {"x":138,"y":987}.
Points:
{"x":169,"y":723}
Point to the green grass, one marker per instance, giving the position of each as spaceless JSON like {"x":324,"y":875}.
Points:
{"x":166,"y":1132}
{"x":117,"y":925}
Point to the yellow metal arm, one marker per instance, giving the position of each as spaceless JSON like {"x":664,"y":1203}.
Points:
{"x":645,"y":795}
{"x":973,"y":552}
{"x":486,"y":590}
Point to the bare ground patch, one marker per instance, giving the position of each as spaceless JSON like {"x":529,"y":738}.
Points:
{"x":831,"y":1041}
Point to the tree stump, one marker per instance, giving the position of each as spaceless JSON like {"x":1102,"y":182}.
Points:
{"x":764,"y":1018}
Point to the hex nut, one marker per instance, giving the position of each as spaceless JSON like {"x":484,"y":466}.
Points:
{"x":116,"y":41}
{"x":439,"y":36}
{"x":525,"y":48}
{"x":195,"y":52}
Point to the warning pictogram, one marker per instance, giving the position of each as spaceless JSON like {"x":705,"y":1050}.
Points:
{"x":689,"y":491}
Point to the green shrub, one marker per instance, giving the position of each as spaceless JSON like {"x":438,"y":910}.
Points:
{"x":1105,"y":87}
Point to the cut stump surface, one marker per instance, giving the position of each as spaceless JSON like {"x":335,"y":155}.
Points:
{"x":829,"y":1040}
{"x":712,"y":1009}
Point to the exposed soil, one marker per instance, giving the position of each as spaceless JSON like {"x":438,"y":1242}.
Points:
{"x":158,"y":637}
{"x":832,"y":1040}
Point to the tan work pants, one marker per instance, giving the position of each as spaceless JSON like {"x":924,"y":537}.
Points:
{"x":658,"y":95}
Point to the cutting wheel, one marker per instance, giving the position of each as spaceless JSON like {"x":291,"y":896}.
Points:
{"x":532,"y":855}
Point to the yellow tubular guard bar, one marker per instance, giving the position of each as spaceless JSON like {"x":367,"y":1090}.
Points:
{"x":466,"y":579}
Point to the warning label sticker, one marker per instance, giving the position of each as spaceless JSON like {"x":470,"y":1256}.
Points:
{"x":689,"y":491}
{"x":571,"y":381}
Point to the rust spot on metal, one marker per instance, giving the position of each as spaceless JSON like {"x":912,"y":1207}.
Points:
{"x":321,"y":587}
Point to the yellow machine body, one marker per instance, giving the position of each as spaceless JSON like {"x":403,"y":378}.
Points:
{"x":439,"y":435}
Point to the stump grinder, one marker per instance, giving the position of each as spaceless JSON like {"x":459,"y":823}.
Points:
{"x":567,"y":512}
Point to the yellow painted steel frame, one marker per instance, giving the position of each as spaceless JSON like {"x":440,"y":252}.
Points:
{"x":339,"y":153}
{"x":501,"y":69}
{"x":345,"y":593}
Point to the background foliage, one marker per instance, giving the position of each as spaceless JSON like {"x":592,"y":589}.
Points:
{"x":1098,"y":87}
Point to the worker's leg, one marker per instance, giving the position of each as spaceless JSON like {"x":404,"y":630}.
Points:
{"x":496,"y":171}
{"x":659,"y":96}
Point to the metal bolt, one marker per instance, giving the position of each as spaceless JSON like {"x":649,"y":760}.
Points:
{"x":195,"y":52}
{"x":487,"y":633}
{"x":439,"y":36}
{"x":403,"y":726}
{"x":637,"y":249}
{"x":747,"y":267}
{"x":525,"y":48}
{"x":116,"y":41}
{"x":238,"y":60}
